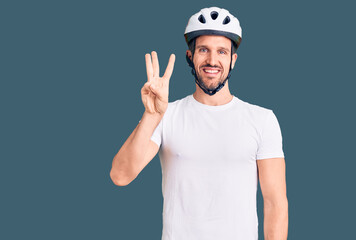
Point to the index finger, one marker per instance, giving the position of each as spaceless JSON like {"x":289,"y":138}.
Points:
{"x":168,"y":73}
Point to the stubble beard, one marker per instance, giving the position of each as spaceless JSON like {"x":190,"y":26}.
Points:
{"x":212,"y":85}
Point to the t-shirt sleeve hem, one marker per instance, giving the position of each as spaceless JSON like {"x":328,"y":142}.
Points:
{"x":270,"y":155}
{"x":156,"y":140}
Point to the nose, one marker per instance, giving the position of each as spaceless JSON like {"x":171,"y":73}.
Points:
{"x":212,"y":59}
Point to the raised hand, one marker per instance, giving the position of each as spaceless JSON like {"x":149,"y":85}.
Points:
{"x":154,"y":93}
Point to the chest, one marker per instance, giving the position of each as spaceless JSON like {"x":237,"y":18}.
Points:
{"x":214,"y":141}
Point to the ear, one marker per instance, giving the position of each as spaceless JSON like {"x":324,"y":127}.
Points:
{"x":234,"y":58}
{"x":189,"y":54}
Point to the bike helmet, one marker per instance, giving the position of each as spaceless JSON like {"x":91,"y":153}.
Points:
{"x":212,"y":21}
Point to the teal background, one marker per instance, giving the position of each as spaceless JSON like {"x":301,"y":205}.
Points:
{"x":71,"y":74}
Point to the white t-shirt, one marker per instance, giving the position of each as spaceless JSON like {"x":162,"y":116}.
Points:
{"x":209,"y":173}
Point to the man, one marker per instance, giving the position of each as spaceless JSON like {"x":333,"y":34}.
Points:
{"x":213,"y":146}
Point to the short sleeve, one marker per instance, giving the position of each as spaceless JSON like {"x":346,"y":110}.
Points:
{"x":157,"y":134}
{"x":270,"y":145}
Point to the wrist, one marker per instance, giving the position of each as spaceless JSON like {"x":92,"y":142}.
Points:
{"x":152,"y":116}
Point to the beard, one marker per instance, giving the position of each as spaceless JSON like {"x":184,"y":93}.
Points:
{"x":212,"y":84}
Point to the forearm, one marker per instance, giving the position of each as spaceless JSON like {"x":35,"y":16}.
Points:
{"x":276,"y":220}
{"x":125,"y":163}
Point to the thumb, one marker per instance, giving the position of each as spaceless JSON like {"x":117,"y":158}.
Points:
{"x":153,"y":88}
{"x":157,"y":91}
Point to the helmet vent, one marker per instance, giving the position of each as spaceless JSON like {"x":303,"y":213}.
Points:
{"x":201,"y":19}
{"x":226,"y":20}
{"x":214,"y":15}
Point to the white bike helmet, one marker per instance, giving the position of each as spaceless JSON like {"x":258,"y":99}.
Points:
{"x":212,"y":21}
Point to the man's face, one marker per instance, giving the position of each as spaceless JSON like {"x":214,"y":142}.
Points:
{"x":212,"y":59}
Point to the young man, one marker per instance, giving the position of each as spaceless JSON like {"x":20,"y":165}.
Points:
{"x":214,"y":147}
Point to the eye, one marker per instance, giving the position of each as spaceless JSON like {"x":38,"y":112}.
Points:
{"x":222,"y":52}
{"x":202,"y":50}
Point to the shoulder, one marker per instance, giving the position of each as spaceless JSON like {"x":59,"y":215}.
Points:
{"x":179,"y":103}
{"x":255,"y":110}
{"x":176,"y":106}
{"x":259,"y":117}
{"x":255,"y":114}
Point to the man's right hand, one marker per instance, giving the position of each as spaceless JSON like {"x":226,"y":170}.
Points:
{"x":154,"y":93}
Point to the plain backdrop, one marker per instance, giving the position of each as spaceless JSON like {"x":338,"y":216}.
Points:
{"x":71,"y":74}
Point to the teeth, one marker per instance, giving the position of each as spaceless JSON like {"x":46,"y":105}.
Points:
{"x":210,"y":71}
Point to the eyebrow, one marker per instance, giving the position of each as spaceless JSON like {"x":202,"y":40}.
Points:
{"x":204,"y":46}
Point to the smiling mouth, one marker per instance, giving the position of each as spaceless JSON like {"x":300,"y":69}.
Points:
{"x":211,"y":72}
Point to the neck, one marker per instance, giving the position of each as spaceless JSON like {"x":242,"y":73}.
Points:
{"x":220,"y":98}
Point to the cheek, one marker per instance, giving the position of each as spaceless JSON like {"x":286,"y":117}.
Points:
{"x":227,"y":63}
{"x":197,"y":60}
